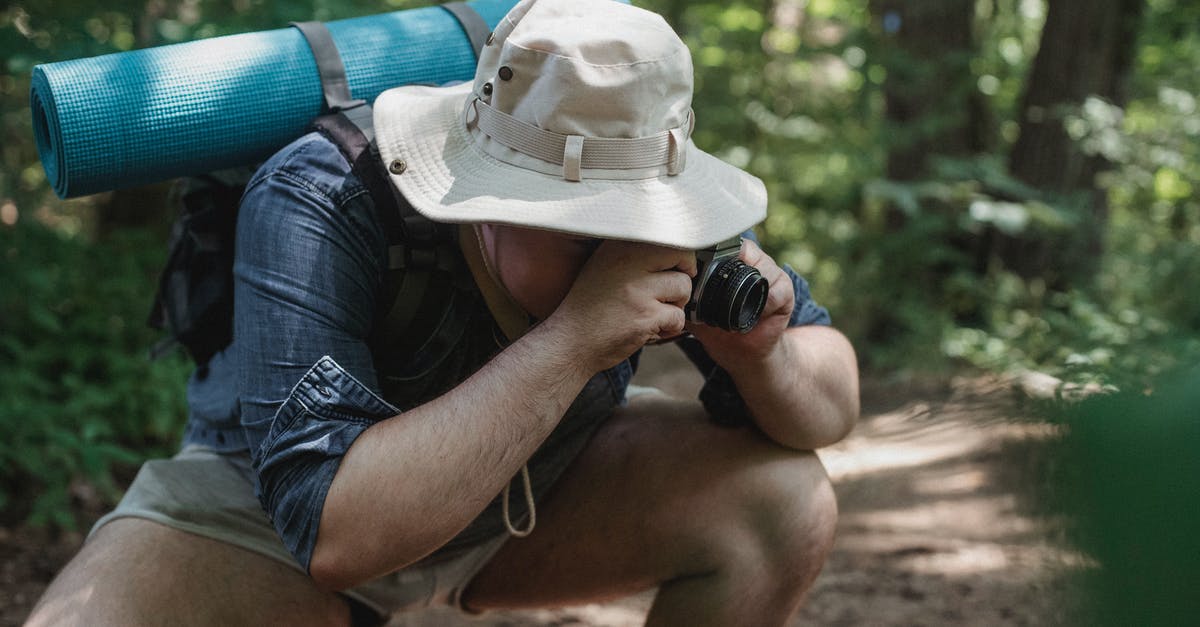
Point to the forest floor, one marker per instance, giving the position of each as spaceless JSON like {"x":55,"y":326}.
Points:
{"x":938,"y":522}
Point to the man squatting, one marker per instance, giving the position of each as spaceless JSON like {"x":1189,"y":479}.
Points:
{"x":316,"y":487}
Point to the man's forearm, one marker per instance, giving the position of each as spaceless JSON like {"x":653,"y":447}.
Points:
{"x":805,"y":394}
{"x":411,"y":482}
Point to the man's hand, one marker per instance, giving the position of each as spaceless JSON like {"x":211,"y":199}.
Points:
{"x":731,"y":349}
{"x":800,"y":384}
{"x":627,"y":295}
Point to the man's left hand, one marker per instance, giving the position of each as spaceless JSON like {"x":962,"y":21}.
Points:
{"x":732,"y":350}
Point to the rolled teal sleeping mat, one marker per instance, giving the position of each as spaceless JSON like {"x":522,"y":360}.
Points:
{"x":137,"y":117}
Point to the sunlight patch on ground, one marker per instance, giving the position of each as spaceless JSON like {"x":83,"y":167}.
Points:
{"x":958,"y":483}
{"x":978,"y":558}
{"x":854,"y":461}
{"x":915,"y":436}
{"x":983,"y":516}
{"x":629,"y":613}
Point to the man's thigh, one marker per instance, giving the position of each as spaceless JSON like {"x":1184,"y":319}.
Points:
{"x":137,"y":572}
{"x":660,"y":493}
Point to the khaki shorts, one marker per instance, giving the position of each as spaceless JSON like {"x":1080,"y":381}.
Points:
{"x":212,"y":495}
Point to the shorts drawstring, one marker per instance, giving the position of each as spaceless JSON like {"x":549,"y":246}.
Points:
{"x":521,"y":533}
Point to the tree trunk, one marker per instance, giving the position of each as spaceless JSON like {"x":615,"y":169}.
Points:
{"x":933,"y":107}
{"x":1087,"y":48}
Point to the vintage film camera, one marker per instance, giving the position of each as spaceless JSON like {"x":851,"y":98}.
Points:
{"x":726,"y":292}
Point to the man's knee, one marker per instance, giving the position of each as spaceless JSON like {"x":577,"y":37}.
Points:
{"x":808,"y":506}
{"x":789,"y":509}
{"x":777,"y":500}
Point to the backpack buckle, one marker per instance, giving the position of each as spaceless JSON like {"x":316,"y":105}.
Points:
{"x":404,"y":257}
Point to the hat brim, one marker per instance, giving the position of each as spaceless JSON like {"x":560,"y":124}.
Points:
{"x":448,"y":178}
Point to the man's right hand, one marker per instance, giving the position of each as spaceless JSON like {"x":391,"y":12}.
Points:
{"x":627,"y":295}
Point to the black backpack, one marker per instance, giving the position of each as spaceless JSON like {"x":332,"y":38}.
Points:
{"x":194,"y":302}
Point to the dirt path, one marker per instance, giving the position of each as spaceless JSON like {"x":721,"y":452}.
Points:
{"x":935,"y":528}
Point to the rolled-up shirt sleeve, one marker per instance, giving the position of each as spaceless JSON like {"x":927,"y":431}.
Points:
{"x":306,"y":275}
{"x":295,"y":463}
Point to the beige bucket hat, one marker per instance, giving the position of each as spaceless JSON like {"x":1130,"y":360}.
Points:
{"x":579,"y":120}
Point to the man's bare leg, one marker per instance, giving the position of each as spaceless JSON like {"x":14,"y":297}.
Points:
{"x":136,"y":572}
{"x":732,"y":527}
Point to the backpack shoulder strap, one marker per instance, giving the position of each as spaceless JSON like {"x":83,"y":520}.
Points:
{"x":417,"y":246}
{"x":405,"y":282}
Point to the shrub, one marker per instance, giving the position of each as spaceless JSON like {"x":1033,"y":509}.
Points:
{"x":81,"y":399}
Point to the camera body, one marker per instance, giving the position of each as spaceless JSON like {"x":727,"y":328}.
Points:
{"x":726,"y":292}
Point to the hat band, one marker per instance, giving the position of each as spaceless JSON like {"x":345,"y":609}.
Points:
{"x":576,"y":153}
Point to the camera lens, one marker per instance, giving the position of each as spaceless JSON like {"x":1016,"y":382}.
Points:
{"x":734,"y":297}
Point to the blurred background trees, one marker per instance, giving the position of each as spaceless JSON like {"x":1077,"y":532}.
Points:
{"x":989,"y":184}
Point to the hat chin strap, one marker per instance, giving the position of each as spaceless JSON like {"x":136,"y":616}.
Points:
{"x":576,"y":153}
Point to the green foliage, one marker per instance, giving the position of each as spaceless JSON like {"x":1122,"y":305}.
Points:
{"x":81,"y":399}
{"x":797,"y":99}
{"x":1139,"y":317}
{"x":1128,"y":476}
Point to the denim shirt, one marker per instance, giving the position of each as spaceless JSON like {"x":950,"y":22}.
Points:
{"x":299,"y":384}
